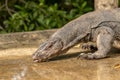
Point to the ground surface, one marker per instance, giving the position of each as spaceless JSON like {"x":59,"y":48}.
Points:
{"x":16,"y":64}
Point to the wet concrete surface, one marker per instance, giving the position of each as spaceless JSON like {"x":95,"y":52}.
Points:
{"x":17,"y":64}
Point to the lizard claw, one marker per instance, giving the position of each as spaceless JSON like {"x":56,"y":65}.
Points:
{"x":86,"y":56}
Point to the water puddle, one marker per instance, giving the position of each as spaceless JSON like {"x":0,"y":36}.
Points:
{"x":65,"y":67}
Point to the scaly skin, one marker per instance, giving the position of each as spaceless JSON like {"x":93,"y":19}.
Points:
{"x":102,"y":27}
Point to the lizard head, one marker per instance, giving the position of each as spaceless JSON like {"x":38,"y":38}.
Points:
{"x":40,"y":56}
{"x":47,"y":50}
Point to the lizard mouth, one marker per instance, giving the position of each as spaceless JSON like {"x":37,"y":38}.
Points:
{"x":39,"y":60}
{"x":35,"y":60}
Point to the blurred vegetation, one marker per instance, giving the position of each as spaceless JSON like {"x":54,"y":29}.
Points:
{"x":26,"y":15}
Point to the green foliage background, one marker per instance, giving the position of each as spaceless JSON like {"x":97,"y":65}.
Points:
{"x":26,"y":15}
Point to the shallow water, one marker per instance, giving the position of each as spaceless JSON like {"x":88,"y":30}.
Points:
{"x":65,"y":67}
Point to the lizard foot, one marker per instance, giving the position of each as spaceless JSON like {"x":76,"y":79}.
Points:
{"x":90,"y":56}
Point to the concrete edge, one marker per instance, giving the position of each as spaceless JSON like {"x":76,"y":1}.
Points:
{"x":24,"y":39}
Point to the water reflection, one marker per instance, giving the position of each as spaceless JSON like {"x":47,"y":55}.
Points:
{"x":20,"y":75}
{"x":22,"y":68}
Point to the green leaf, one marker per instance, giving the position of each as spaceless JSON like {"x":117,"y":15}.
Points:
{"x":25,"y":27}
{"x":31,"y":27}
{"x":19,"y":7}
{"x":84,"y":4}
{"x":35,"y":14}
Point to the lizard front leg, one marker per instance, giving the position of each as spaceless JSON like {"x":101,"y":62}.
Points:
{"x":104,"y":43}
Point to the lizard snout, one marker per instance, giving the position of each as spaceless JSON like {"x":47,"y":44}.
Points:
{"x":39,"y":57}
{"x":35,"y":58}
